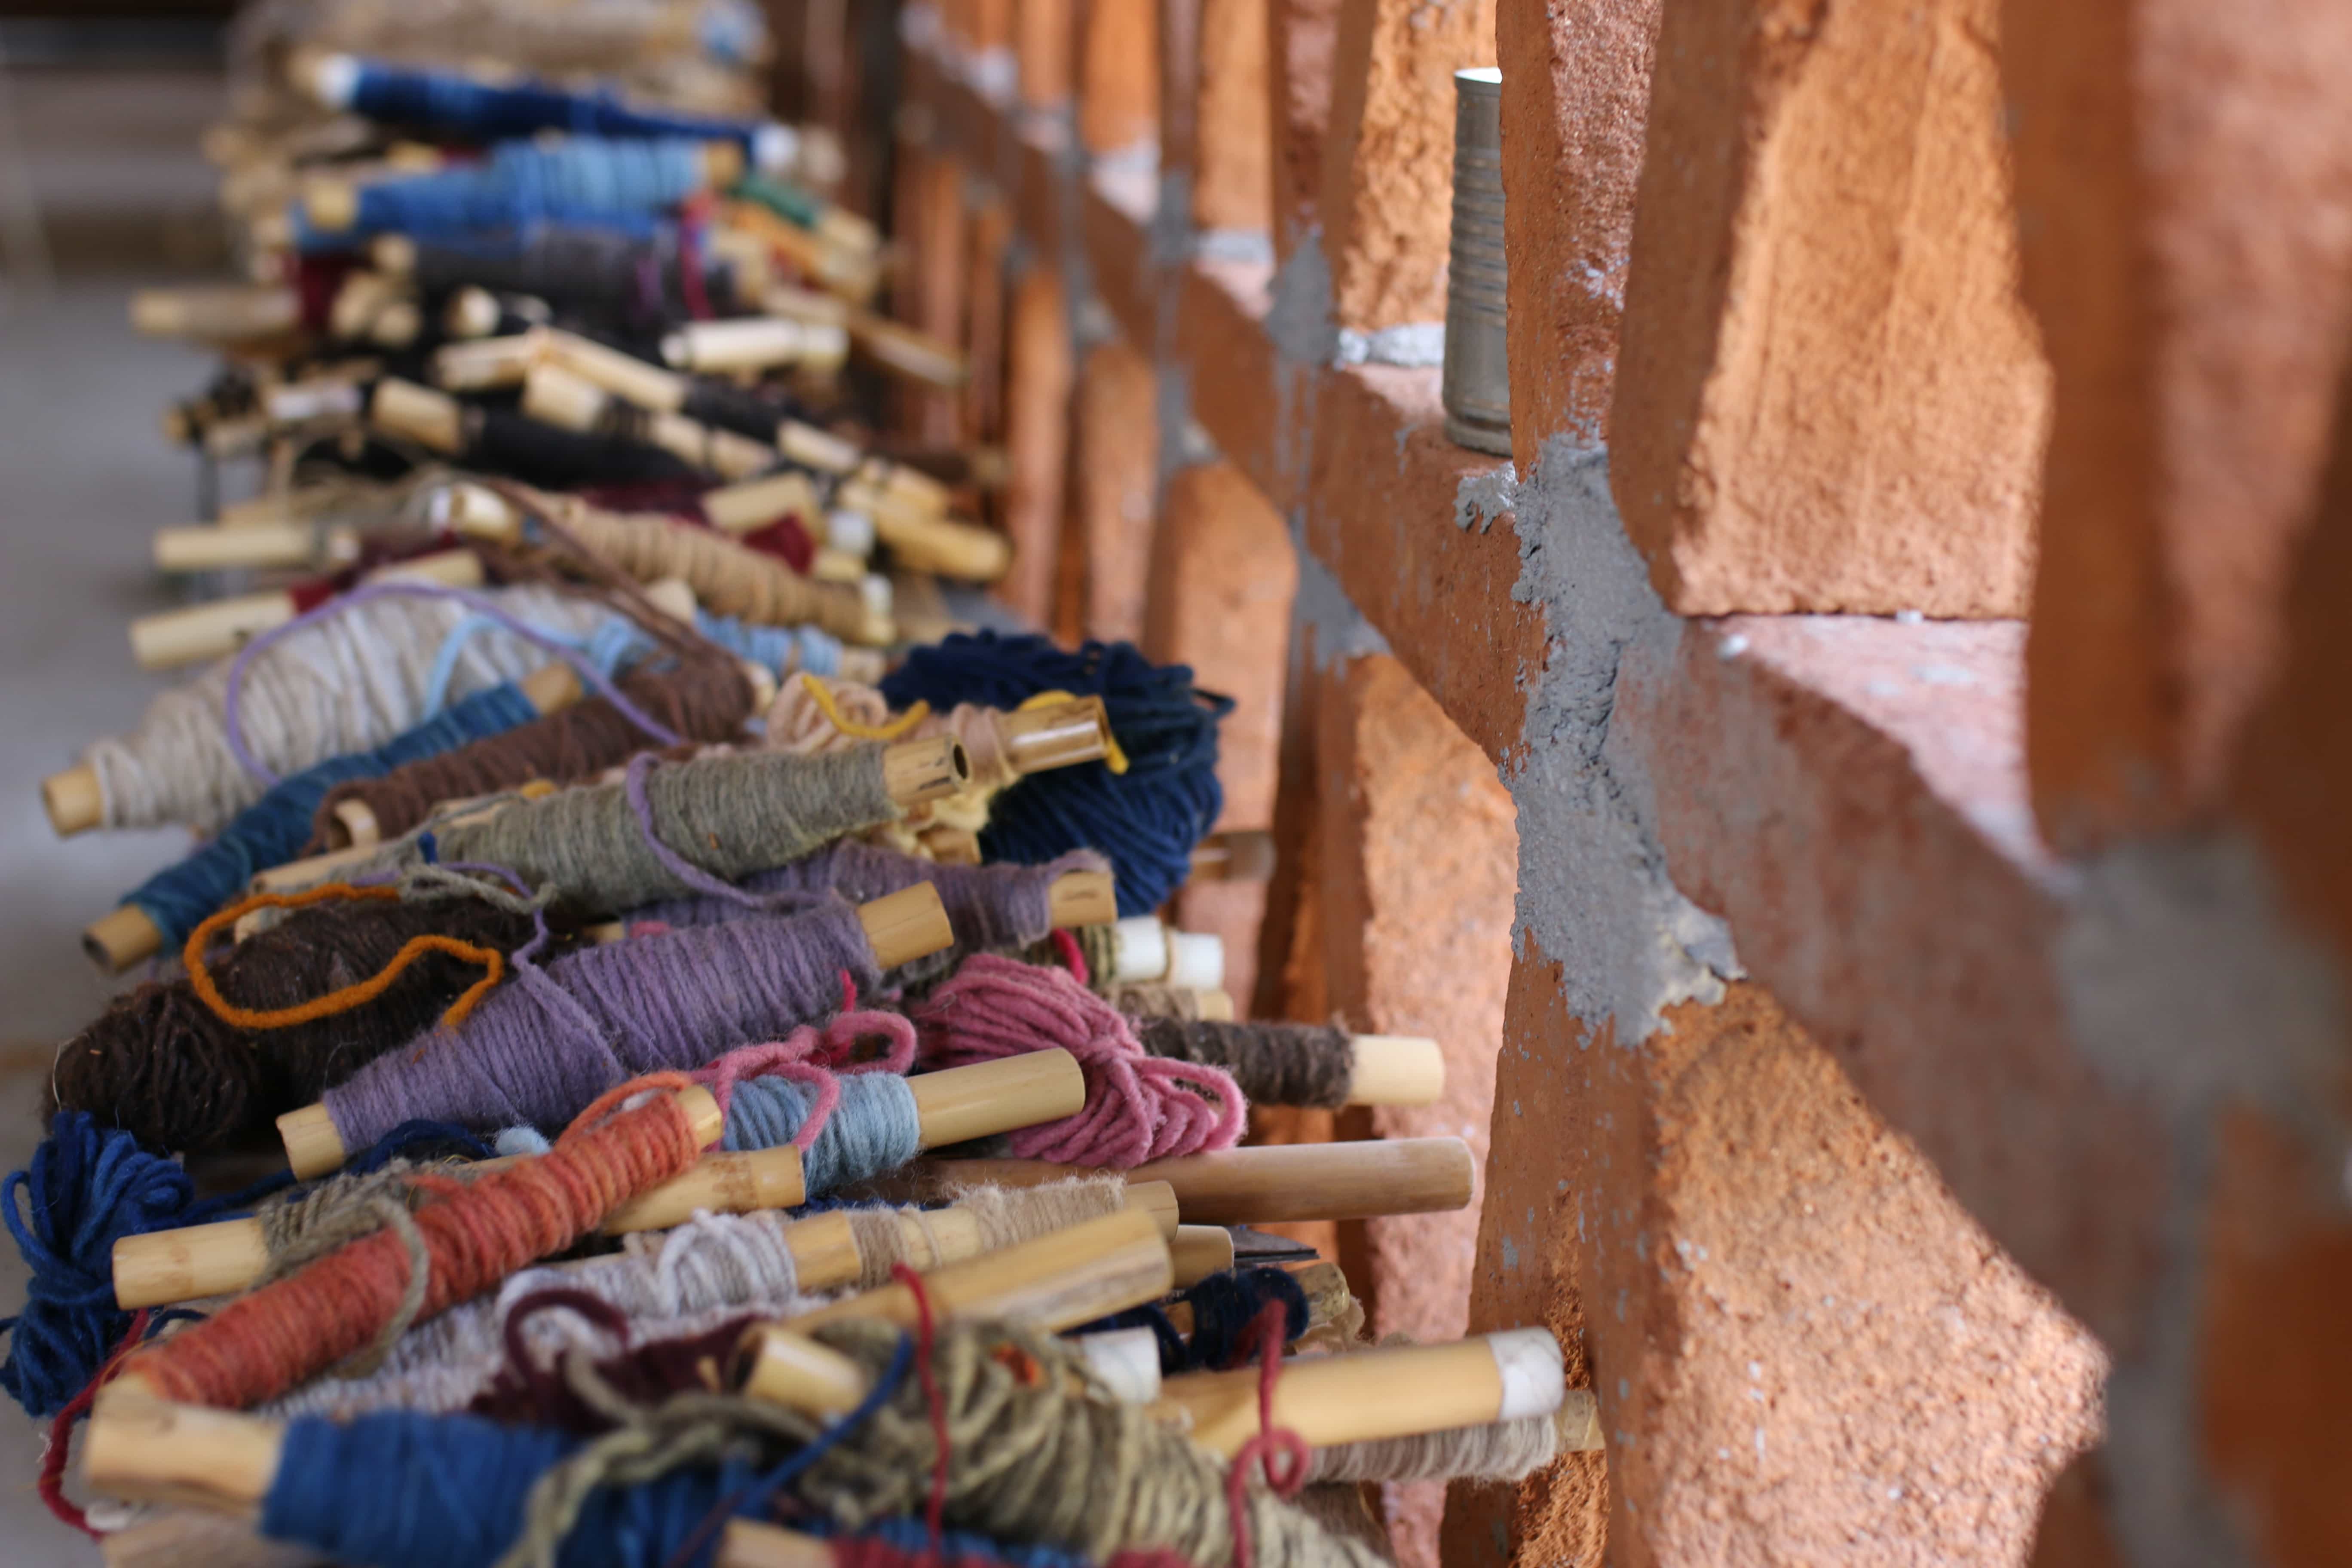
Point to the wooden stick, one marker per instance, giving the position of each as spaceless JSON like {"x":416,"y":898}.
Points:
{"x":1055,"y":1281}
{"x":925,"y":769}
{"x":1237,"y":855}
{"x":1082,"y":899}
{"x":1376,"y":1394}
{"x":748,"y":504}
{"x":177,"y":637}
{"x":1279,"y":1182}
{"x":1395,"y":1069}
{"x":562,"y":397}
{"x":1056,"y":735}
{"x":1199,"y":1251}
{"x":755,"y":342}
{"x":928,"y":543}
{"x":264,"y":546}
{"x":228,"y":312}
{"x":429,"y":418}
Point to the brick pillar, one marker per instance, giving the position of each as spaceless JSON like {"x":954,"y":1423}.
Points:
{"x":1300,"y":35}
{"x":1575,"y":98}
{"x":1387,"y":176}
{"x":928,"y":296}
{"x":1116,"y":467}
{"x":1036,"y":440}
{"x":990,"y":233}
{"x":1805,"y":1350}
{"x":1043,"y":34}
{"x":1119,"y":75}
{"x":1223,"y":576}
{"x":1419,"y":871}
{"x":1828,"y":396}
{"x":1233,"y":178}
{"x":2180,"y":174}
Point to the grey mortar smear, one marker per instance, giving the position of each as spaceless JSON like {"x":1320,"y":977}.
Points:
{"x":1594,"y":888}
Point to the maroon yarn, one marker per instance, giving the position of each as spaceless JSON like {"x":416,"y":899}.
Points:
{"x":525,"y":1393}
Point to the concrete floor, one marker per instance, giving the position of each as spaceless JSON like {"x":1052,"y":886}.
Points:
{"x":84,"y":479}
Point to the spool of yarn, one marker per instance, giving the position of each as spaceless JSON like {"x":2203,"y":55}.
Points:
{"x":786,"y":651}
{"x":1146,"y":819}
{"x":347,"y":677}
{"x":163,"y":1066}
{"x":1274,"y":1063}
{"x":1497,"y":1451}
{"x":691,"y":827}
{"x":704,"y":702}
{"x":583,"y":180}
{"x":497,"y":440}
{"x":714,"y":1269}
{"x":988,"y":907}
{"x":597,"y":274}
{"x":1140,"y":1108}
{"x":265,"y":1342}
{"x":272,"y":829}
{"x":534,"y":1052}
{"x":472,"y":110}
{"x":1220,"y":1310}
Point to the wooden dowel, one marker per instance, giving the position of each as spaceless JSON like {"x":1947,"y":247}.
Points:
{"x":73,"y":799}
{"x":1239,"y":855}
{"x":626,"y":377}
{"x":177,"y":637}
{"x":754,"y":503}
{"x":993,"y":1097}
{"x":428,"y":418}
{"x":280,"y":545}
{"x":1279,"y":1182}
{"x":1057,"y":735}
{"x":120,"y":938}
{"x":152,"y":1451}
{"x":908,"y":925}
{"x":1376,"y":1394}
{"x":226,"y":312}
{"x":1395,"y":1069}
{"x":1082,"y":899}
{"x":749,"y":1543}
{"x":1199,"y":1251}
{"x":488,"y":362}
{"x":916,"y":771}
{"x":1055,"y":1281}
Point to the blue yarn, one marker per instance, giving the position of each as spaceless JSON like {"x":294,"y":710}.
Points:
{"x":615,"y":643}
{"x":588,"y":181}
{"x":86,"y":1187}
{"x":477,"y":111}
{"x":1146,"y":820}
{"x":1223,"y":1305}
{"x":399,"y":1489}
{"x":780,"y":649}
{"x":273,"y":829}
{"x":873,"y":1129}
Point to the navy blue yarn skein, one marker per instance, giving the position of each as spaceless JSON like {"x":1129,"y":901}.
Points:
{"x":273,"y":829}
{"x":480,"y":112}
{"x":86,"y":1188}
{"x":1223,"y":1306}
{"x":1146,"y":820}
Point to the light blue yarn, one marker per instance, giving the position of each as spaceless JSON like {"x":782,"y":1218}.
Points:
{"x":585,"y":180}
{"x":873,"y":1129}
{"x":780,"y":649}
{"x":617,"y":643}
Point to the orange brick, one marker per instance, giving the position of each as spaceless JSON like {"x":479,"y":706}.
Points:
{"x":1036,"y":440}
{"x":1222,"y":575}
{"x":1388,"y":180}
{"x":2184,"y":179}
{"x":1828,"y":397}
{"x":930,"y":296}
{"x":1117,"y":437}
{"x":1575,"y":99}
{"x":1301,"y":33}
{"x":1042,"y":36}
{"x":1800,"y":1342}
{"x":988,"y":232}
{"x":1119,"y":75}
{"x":1233,"y":178}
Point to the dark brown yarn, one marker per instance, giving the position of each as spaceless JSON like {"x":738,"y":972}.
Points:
{"x":1275,"y":1064}
{"x":526,"y":1393}
{"x":706,"y":701}
{"x":159,"y":1063}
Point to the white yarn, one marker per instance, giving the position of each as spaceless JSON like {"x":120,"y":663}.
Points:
{"x":346,"y":683}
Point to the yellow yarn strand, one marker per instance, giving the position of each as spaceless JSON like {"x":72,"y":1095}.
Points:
{"x":822,"y":696}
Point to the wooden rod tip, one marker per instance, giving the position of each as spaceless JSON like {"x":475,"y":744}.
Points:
{"x":313,"y":1146}
{"x":122,"y":938}
{"x":74,"y":802}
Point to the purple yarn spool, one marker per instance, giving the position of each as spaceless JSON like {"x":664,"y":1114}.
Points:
{"x":537,"y":1050}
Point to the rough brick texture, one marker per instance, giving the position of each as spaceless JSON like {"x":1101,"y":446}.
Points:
{"x":930,"y":297}
{"x":1575,"y":99}
{"x":1300,"y":35}
{"x":1116,"y":439}
{"x":2184,"y":180}
{"x":1036,"y":439}
{"x":1233,"y":176}
{"x":1043,"y":34}
{"x":1222,"y":575}
{"x":1119,"y":75}
{"x":989,"y":231}
{"x":1417,"y":887}
{"x":1388,"y":178}
{"x":1828,"y":397}
{"x":1805,"y":1350}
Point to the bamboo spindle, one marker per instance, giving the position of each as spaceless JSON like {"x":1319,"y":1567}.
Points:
{"x":1056,"y":735}
{"x":756,"y":344}
{"x":951,"y":1106}
{"x":913,"y":772}
{"x":1055,"y":1281}
{"x":750,"y":504}
{"x":126,"y":934}
{"x":1376,"y":1394}
{"x":1279,"y":1182}
{"x":486,"y":364}
{"x":269,"y":546}
{"x":217,"y":312}
{"x":557,"y":396}
{"x":1147,"y":949}
{"x":178,"y":637}
{"x":1199,"y":1251}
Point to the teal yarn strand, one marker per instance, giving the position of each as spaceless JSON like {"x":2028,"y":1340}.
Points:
{"x":273,"y":829}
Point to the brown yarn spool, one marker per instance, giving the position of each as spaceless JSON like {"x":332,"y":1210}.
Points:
{"x":704,"y":702}
{"x":161,"y":1064}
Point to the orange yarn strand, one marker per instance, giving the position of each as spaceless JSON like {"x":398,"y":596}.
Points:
{"x":270,"y":1340}
{"x":355,"y":996}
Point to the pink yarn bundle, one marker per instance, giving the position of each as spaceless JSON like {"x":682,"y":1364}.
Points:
{"x":1139,"y":1107}
{"x":815,"y":1056}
